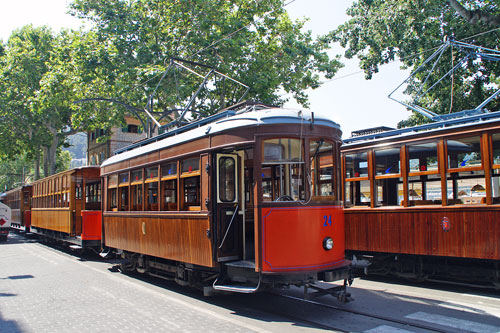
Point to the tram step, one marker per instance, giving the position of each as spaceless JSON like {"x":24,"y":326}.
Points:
{"x":75,"y":247}
{"x":244,"y":289}
{"x":242,"y":264}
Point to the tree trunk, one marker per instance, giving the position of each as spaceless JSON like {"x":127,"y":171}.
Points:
{"x":50,"y":153}
{"x":37,"y":166}
{"x":475,"y":16}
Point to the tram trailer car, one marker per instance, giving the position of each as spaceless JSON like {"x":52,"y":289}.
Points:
{"x":424,"y":202}
{"x":5,"y":221}
{"x":19,"y":201}
{"x":66,"y":207}
{"x":236,"y":202}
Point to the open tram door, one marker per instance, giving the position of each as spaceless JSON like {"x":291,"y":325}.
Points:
{"x":230,"y":207}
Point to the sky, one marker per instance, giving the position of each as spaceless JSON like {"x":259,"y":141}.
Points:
{"x":350,"y":100}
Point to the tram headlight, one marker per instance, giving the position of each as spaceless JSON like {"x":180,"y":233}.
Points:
{"x":328,"y":243}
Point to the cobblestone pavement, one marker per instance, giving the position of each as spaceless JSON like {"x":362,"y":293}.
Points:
{"x":44,"y":290}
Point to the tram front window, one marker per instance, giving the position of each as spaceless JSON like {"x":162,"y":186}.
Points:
{"x":283,"y":175}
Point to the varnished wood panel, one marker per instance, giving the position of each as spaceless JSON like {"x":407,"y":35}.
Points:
{"x":144,"y":159}
{"x":184,"y":149}
{"x":56,"y":219}
{"x":474,"y":231}
{"x":176,"y":238}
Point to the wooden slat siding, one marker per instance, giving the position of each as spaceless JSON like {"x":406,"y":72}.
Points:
{"x":419,"y":231}
{"x":16,"y":216}
{"x":186,"y":148}
{"x":56,"y":219}
{"x":175,"y":238}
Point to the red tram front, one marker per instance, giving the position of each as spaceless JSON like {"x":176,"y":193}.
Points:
{"x":240,"y":200}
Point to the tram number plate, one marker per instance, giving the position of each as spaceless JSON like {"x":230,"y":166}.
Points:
{"x":327,"y":220}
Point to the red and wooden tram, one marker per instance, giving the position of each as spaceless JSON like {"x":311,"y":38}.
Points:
{"x":19,"y":201}
{"x":424,"y":202}
{"x":67,"y":207}
{"x":240,"y":200}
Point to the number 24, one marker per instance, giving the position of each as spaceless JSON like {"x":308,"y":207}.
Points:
{"x":328,"y":220}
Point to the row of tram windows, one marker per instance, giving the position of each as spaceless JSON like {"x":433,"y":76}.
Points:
{"x":52,"y":192}
{"x":285,"y":175}
{"x":156,"y":187}
{"x":56,"y":193}
{"x":464,"y":164}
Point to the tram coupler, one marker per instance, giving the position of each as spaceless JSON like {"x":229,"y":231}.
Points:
{"x":339,"y":292}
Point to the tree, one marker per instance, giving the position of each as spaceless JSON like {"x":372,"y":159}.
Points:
{"x":381,"y":31}
{"x":254,"y":42}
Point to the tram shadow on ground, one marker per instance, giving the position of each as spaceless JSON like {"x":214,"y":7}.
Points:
{"x":15,"y":238}
{"x":8,"y":325}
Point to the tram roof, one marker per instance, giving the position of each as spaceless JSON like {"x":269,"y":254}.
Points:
{"x":436,"y":127}
{"x":220,"y":122}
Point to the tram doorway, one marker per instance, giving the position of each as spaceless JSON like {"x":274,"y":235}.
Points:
{"x":230,"y":207}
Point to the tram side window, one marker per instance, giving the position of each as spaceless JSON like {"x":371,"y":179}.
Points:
{"x":190,"y":175}
{"x":169,"y":186}
{"x":322,"y":167}
{"x":113,"y":193}
{"x":283,"y":170}
{"x":357,"y":186}
{"x":136,"y":190}
{"x":495,"y":177}
{"x":464,"y":153}
{"x":465,"y":181}
{"x":92,"y":199}
{"x":424,"y":184}
{"x":227,"y":181}
{"x":466,"y":187}
{"x":123,"y":185}
{"x":389,"y":185}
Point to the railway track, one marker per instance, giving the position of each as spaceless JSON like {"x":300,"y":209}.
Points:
{"x":384,"y":319}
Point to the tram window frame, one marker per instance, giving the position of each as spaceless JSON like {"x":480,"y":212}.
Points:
{"x":288,"y":159}
{"x":384,"y":179}
{"x":423,"y":178}
{"x":495,"y":186}
{"x":136,"y":198}
{"x":495,"y":147}
{"x":169,"y":186}
{"x":191,"y":183}
{"x":123,"y":191}
{"x":455,"y":196}
{"x":463,"y":168}
{"x":113,"y":192}
{"x":319,"y":152}
{"x":227,"y":179}
{"x":352,"y":188}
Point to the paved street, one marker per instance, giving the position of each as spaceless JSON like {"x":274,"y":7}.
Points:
{"x":43,"y":289}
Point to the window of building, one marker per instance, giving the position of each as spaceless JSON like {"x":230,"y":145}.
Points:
{"x":130,"y":128}
{"x":283,"y":161}
{"x":464,"y":153}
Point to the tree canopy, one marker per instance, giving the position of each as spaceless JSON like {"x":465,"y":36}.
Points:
{"x":381,"y":31}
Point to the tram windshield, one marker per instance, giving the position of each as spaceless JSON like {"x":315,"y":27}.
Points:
{"x":283,"y":175}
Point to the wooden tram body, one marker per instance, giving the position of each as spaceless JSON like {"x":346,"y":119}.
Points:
{"x":67,"y":207}
{"x":425,"y":204}
{"x":239,"y":199}
{"x":19,"y":201}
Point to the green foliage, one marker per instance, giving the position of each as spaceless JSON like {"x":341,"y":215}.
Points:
{"x":63,"y":160}
{"x":12,"y":171}
{"x":267,"y":54}
{"x":381,"y":31}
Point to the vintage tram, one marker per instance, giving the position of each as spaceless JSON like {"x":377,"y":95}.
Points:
{"x":19,"y":201}
{"x":67,"y":207}
{"x":424,"y":202}
{"x":241,"y":200}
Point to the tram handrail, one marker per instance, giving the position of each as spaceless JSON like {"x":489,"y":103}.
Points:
{"x":229,"y":227}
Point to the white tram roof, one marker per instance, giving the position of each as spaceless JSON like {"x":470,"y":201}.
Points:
{"x":250,"y":118}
